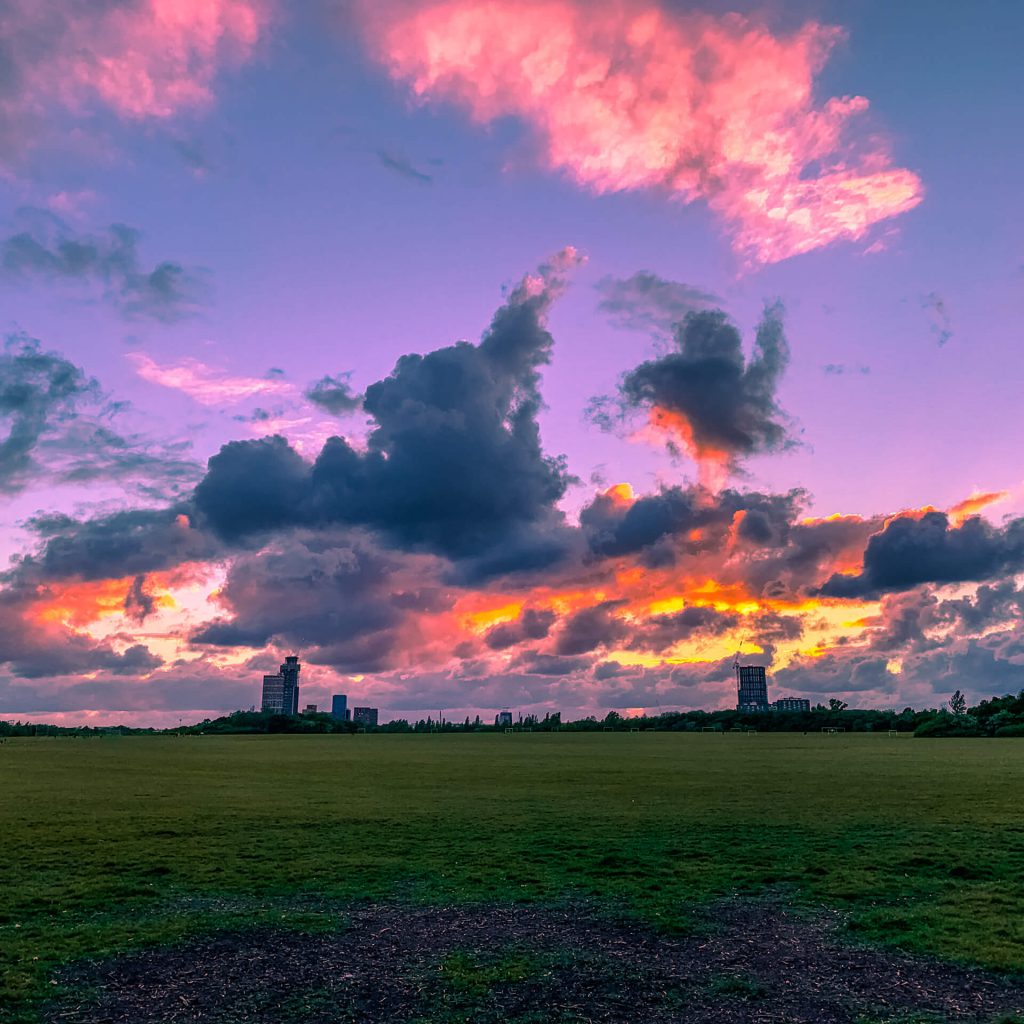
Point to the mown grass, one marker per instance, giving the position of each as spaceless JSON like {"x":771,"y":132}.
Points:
{"x":108,"y":844}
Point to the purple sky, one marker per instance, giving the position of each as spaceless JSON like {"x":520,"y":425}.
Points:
{"x":210,"y":206}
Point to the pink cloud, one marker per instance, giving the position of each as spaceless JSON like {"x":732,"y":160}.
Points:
{"x":626,"y":95}
{"x":141,"y":58}
{"x":206,"y":384}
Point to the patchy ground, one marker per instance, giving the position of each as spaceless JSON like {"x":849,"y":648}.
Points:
{"x":756,"y":963}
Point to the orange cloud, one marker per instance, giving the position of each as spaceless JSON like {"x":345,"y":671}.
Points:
{"x":713,"y":464}
{"x":973,"y":504}
{"x":79,"y":604}
{"x":627,"y":95}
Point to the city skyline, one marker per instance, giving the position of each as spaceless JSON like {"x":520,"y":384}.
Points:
{"x":483,"y":368}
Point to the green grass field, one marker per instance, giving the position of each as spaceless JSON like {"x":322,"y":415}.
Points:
{"x":111,"y":843}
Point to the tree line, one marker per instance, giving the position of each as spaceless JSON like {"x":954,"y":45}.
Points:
{"x":999,"y":716}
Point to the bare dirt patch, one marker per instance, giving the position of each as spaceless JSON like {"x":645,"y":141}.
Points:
{"x":755,"y":963}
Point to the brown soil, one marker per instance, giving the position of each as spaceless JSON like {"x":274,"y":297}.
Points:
{"x":757,"y":963}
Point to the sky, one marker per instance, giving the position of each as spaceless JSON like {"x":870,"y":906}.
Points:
{"x":541,"y":354}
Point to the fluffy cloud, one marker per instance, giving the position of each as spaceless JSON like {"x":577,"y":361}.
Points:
{"x":635,"y":95}
{"x":911,"y":551}
{"x":452,"y":429}
{"x":705,"y":398}
{"x":138,"y":58}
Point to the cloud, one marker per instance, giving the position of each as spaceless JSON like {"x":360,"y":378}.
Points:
{"x":705,"y":398}
{"x":940,"y":321}
{"x":59,"y":428}
{"x":334,"y":394}
{"x":533,"y":624}
{"x":979,"y":666}
{"x":355,"y":605}
{"x":403,"y":166}
{"x":836,"y":674}
{"x":646,"y":302}
{"x":206,"y":384}
{"x":926,"y":549}
{"x":37,"y":646}
{"x":591,"y":628}
{"x":49,"y":250}
{"x":838,"y":369}
{"x":452,"y":429}
{"x":141,"y":59}
{"x":127,"y":543}
{"x":629,"y":96}
{"x":39,"y":395}
{"x":436,"y":560}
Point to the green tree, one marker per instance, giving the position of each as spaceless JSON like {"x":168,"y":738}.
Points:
{"x":958,"y":704}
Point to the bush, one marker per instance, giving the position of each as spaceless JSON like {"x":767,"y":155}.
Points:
{"x":948,"y":726}
{"x":1010,"y":730}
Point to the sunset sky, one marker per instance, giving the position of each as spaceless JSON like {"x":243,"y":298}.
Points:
{"x":524,"y":353}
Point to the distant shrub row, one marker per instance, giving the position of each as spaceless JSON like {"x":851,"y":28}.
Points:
{"x":999,"y":717}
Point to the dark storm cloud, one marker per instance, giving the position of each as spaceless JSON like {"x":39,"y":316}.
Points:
{"x":728,"y":401}
{"x":49,"y":249}
{"x":403,"y":166}
{"x":647,"y":302}
{"x":129,"y":543}
{"x":590,"y":628}
{"x":334,"y":394}
{"x":911,"y":551}
{"x":533,"y":624}
{"x":337,"y":593}
{"x":905,"y":621}
{"x":990,"y":604}
{"x":454,"y":463}
{"x":616,"y":528}
{"x":663,"y":631}
{"x":254,"y":486}
{"x":536,"y":664}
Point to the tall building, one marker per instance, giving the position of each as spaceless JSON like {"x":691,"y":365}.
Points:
{"x":273,"y":694}
{"x":339,"y":707}
{"x":752,"y":688}
{"x":281,"y":691}
{"x":364,"y":716}
{"x":503,"y":720}
{"x":290,"y":673}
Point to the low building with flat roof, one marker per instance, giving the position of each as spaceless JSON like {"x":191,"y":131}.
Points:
{"x":791,"y":704}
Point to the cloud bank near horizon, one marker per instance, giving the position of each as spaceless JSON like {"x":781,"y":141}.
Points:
{"x":433,"y":564}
